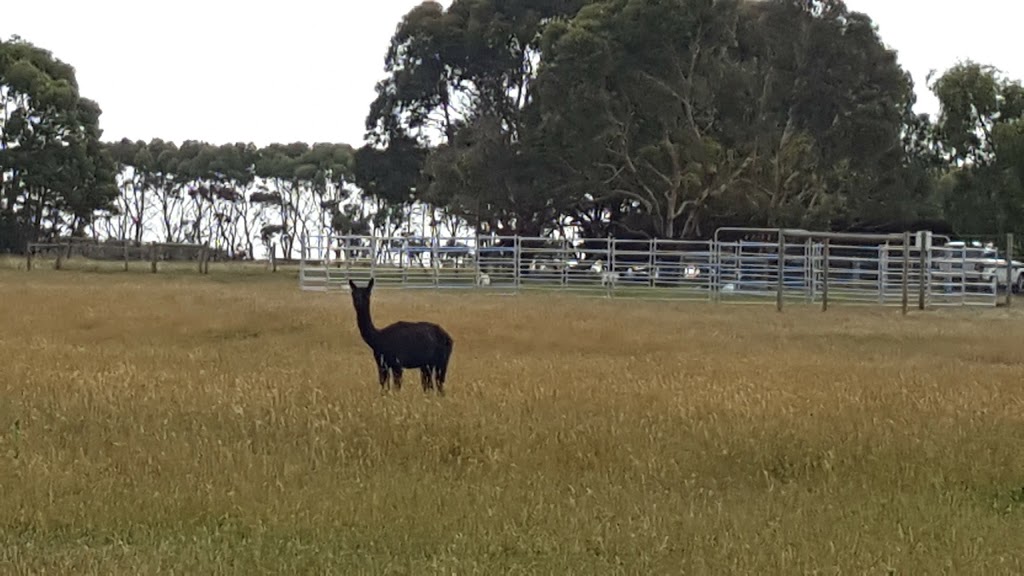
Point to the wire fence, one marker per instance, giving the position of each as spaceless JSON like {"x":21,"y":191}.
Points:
{"x":738,"y":265}
{"x":126,"y":252}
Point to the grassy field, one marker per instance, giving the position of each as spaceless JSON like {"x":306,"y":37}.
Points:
{"x":232,"y":424}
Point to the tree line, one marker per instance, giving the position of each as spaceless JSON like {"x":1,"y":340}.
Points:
{"x":626,"y":118}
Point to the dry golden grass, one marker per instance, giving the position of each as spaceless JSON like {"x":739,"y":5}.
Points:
{"x":210,"y":425}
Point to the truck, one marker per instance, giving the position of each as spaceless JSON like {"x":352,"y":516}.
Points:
{"x":984,"y":265}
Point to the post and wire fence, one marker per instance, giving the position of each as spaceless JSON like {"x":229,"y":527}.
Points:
{"x":125,"y":252}
{"x":738,"y":265}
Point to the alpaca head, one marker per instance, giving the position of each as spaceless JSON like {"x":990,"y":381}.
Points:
{"x":361,"y":296}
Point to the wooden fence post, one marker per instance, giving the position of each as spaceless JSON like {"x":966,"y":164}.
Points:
{"x":824,"y":275}
{"x":808,"y":264}
{"x":922,"y":271}
{"x":152,"y":257}
{"x":59,"y":264}
{"x":1009,"y":268}
{"x":905,"y":281}
{"x":782,"y":270}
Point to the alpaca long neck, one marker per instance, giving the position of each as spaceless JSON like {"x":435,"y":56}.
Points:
{"x":366,"y":328}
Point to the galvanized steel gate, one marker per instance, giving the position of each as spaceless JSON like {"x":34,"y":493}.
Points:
{"x":737,"y":265}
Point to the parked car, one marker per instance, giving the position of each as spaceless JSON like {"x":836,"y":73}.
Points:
{"x":984,"y":265}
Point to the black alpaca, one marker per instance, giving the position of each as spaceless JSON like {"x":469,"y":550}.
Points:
{"x":402,"y":345}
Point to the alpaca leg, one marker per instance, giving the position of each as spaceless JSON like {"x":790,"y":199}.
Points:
{"x":396,"y":373}
{"x":382,"y":373}
{"x":442,"y":371}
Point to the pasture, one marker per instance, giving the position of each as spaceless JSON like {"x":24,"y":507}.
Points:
{"x":229,"y":423}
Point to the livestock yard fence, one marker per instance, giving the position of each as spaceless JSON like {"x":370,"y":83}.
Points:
{"x":918,"y":269}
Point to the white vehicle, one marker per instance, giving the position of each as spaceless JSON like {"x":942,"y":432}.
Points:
{"x":984,"y":263}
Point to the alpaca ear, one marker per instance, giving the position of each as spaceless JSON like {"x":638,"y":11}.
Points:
{"x":351,"y":284}
{"x":370,"y":285}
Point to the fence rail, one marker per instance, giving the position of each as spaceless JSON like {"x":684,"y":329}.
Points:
{"x":814,"y":267}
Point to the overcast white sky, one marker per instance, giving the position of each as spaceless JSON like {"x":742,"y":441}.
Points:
{"x":304,"y":70}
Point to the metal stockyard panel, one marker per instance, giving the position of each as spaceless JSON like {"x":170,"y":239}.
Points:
{"x":846,"y":269}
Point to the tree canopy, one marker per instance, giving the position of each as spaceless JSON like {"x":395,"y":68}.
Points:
{"x":667,"y":118}
{"x":633,"y":118}
{"x":56,"y":174}
{"x":981,"y":137}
